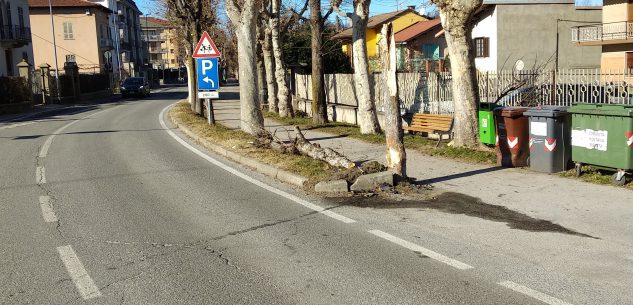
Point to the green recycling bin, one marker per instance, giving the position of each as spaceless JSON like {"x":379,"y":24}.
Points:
{"x":602,"y":136}
{"x":487,"y":133}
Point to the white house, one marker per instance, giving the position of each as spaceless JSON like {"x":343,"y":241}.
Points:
{"x":15,"y":36}
{"x":528,"y":34}
{"x":125,"y":30}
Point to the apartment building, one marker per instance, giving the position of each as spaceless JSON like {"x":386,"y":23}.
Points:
{"x":125,"y":28}
{"x":160,"y":37}
{"x":15,"y":36}
{"x":614,"y":35}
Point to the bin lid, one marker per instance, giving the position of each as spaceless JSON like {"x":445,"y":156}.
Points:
{"x":602,"y":109}
{"x":510,"y":112}
{"x":547,"y":111}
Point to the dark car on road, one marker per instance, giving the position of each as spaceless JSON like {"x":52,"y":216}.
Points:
{"x":135,"y":86}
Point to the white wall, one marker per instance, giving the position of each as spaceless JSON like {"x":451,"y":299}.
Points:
{"x":16,"y":52}
{"x":488,"y":28}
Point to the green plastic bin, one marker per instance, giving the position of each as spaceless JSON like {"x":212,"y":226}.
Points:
{"x":487,"y":133}
{"x":602,"y":136}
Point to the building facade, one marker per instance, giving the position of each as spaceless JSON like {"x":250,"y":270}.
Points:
{"x":81,"y":35}
{"x":614,"y":35}
{"x":129,"y":55}
{"x":511,"y":34}
{"x":421,"y":45}
{"x":15,"y":36}
{"x":400,"y":19}
{"x":160,"y":37}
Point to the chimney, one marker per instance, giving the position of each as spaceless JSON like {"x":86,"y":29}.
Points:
{"x":411,"y":7}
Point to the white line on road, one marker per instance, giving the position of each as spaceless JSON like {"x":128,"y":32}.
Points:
{"x":47,"y":209}
{"x":235,"y":172}
{"x":533,"y":293}
{"x":47,"y":145}
{"x":40,"y":175}
{"x":416,"y":248}
{"x":78,"y":273}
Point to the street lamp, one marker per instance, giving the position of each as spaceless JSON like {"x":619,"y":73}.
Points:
{"x":50,"y":9}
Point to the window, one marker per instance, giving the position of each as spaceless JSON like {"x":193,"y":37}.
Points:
{"x":68,"y":31}
{"x":629,"y":63}
{"x":21,"y":17}
{"x":431,"y":51}
{"x":482,"y":46}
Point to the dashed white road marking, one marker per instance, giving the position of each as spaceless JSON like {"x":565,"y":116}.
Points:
{"x":85,"y":285}
{"x":235,"y":172}
{"x":424,"y":251}
{"x":47,"y":145}
{"x":47,"y":209}
{"x":40,"y":175}
{"x":533,"y":293}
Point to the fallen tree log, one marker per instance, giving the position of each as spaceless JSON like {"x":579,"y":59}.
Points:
{"x":315,"y":151}
{"x":300,"y":145}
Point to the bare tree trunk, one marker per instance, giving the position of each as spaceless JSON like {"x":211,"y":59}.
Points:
{"x":191,"y":73}
{"x":269,"y":64}
{"x":319,"y":103}
{"x":261,"y":70}
{"x":244,"y":18}
{"x":367,"y":117}
{"x":283,"y":93}
{"x":396,"y":154}
{"x":456,"y":18}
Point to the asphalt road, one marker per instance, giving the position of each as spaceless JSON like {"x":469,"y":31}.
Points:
{"x":114,"y":210}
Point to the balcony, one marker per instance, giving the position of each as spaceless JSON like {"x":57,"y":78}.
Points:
{"x":157,"y":50}
{"x":603,"y":33}
{"x":14,"y":36}
{"x":106,"y":44}
{"x":153,"y":38}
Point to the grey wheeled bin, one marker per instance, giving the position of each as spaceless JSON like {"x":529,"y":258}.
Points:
{"x":550,"y":139}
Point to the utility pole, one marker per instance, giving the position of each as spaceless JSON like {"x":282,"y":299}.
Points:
{"x":50,"y":9}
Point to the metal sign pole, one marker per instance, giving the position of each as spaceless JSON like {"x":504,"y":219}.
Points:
{"x":210,"y":114}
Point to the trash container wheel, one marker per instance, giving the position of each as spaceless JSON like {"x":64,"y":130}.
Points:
{"x":578,"y":169}
{"x":619,"y":178}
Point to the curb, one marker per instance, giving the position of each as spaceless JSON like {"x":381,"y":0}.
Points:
{"x":279,"y":174}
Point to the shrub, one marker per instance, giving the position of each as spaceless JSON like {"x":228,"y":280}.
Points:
{"x":14,"y":90}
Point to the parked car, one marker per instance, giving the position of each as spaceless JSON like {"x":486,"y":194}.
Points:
{"x":136,"y":86}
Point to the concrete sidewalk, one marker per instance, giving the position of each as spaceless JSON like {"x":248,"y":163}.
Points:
{"x":597,"y":210}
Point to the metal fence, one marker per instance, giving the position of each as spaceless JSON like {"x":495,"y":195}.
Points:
{"x":432,"y":92}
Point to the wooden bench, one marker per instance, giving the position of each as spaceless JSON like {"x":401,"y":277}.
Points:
{"x":431,"y":124}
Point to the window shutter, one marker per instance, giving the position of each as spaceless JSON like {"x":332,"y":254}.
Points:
{"x":486,"y":42}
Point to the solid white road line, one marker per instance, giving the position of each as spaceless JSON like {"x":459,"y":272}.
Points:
{"x":235,"y":172}
{"x":85,"y":285}
{"x":40,"y":175}
{"x":47,"y":209}
{"x":533,"y":293}
{"x":47,"y":145}
{"x":413,"y":247}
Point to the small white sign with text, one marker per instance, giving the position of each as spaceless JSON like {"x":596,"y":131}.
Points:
{"x":209,"y":94}
{"x":590,"y":139}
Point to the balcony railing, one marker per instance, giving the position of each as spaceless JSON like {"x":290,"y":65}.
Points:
{"x":157,"y":50}
{"x":153,"y":37}
{"x":15,"y":34}
{"x":603,"y":32}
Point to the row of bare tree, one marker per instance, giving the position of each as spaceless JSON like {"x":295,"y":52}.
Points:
{"x":258,"y":26}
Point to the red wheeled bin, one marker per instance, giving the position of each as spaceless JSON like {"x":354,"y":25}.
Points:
{"x":513,"y":136}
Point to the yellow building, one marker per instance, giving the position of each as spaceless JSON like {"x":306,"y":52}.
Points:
{"x":614,"y":34}
{"x":162,"y":43}
{"x":400,"y":19}
{"x":81,"y":32}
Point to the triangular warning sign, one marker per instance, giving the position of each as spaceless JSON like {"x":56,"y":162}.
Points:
{"x":206,"y":48}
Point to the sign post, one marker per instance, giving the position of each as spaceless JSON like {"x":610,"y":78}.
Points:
{"x":207,"y":70}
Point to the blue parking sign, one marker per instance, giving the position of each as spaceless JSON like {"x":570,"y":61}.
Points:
{"x":208,"y":74}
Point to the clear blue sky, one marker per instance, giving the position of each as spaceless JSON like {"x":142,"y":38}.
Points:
{"x":377,"y":6}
